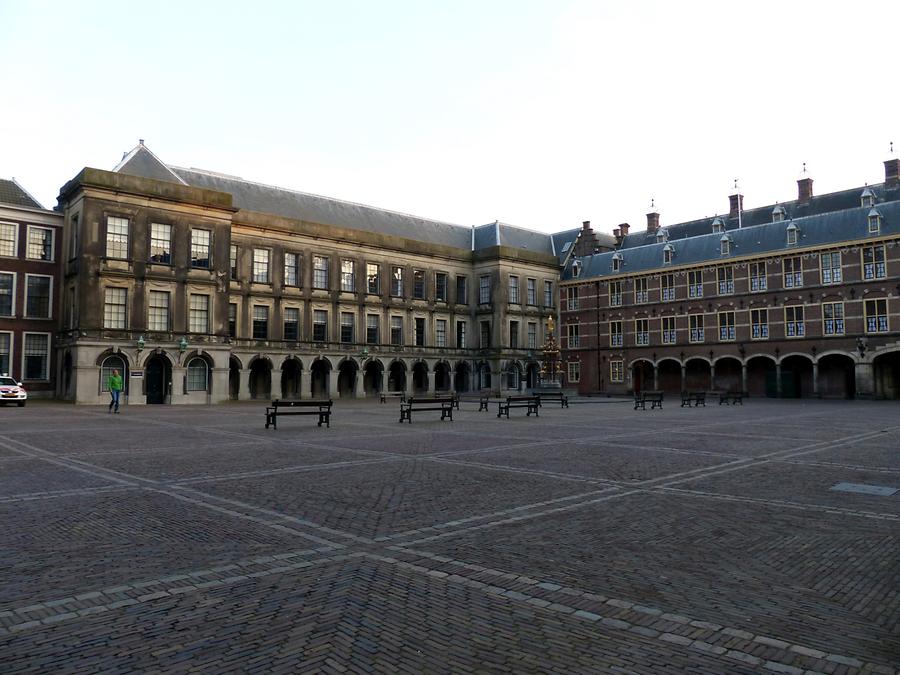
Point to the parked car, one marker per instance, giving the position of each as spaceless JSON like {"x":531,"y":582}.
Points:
{"x":12,"y":391}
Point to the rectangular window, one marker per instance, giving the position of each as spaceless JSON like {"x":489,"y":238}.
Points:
{"x":419,"y":334}
{"x":513,"y":334}
{"x":695,"y":284}
{"x":831,"y":267}
{"x":616,"y":371}
{"x":7,"y":294}
{"x":615,"y":293}
{"x":440,"y":333}
{"x":876,"y":316}
{"x":726,"y":326}
{"x":873,"y":262}
{"x":198,"y":317}
{"x":5,"y":352}
{"x":571,"y":298}
{"x":40,"y":243}
{"x":373,"y":279}
{"x":695,"y":322}
{"x":232,"y":319}
{"x":320,"y":325}
{"x":641,"y":294}
{"x":260,"y":322}
{"x":759,"y":324}
{"x":574,"y":371}
{"x":158,"y":311}
{"x":548,"y":294}
{"x":485,"y":334}
{"x":114,"y":314}
{"x":531,"y":292}
{"x":419,"y":284}
{"x":668,"y":330}
{"x":532,"y":336}
{"x":513,"y":290}
{"x":161,"y":243}
{"x":233,"y":261}
{"x":484,"y":290}
{"x":460,"y":334}
{"x":572,"y":334}
{"x":347,"y":327}
{"x":37,"y":356}
{"x":642,"y":332}
{"x":793,"y":322}
{"x":200,"y":249}
{"x":440,"y":287}
{"x":667,"y":287}
{"x":615,"y":334}
{"x":372,"y":324}
{"x":397,"y":330}
{"x":725,"y":276}
{"x":462,"y":290}
{"x":793,"y":272}
{"x":833,"y":318}
{"x":758,"y":277}
{"x":260,"y":266}
{"x":38,"y":290}
{"x":320,"y":272}
{"x":348,"y":276}
{"x":291,"y":269}
{"x":291,"y":324}
{"x":8,"y":232}
{"x":396,"y":282}
{"x":117,"y":237}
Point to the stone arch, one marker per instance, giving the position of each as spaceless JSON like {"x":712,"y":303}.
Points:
{"x":319,"y":376}
{"x":291,"y":377}
{"x":697,"y":374}
{"x":668,"y":370}
{"x":532,"y":374}
{"x":641,"y":374}
{"x":157,"y":380}
{"x":373,"y":377}
{"x":728,"y":374}
{"x":886,"y":371}
{"x":260,"y":377}
{"x":443,"y":380}
{"x":106,"y":353}
{"x":512,"y":375}
{"x":348,"y":371}
{"x":796,"y":375}
{"x":198,"y":368}
{"x":462,"y":375}
{"x":420,"y":377}
{"x":113,"y":361}
{"x":837,"y":375}
{"x":483,"y":370}
{"x":397,"y":374}
{"x":761,"y":375}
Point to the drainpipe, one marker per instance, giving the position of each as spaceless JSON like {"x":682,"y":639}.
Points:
{"x":599,"y":370}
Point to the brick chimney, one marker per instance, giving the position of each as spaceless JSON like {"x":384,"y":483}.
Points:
{"x":892,"y":173}
{"x":587,"y":242}
{"x":624,"y":228}
{"x":804,"y":190}
{"x":736,"y":204}
{"x":652,"y":222}
{"x":617,"y":234}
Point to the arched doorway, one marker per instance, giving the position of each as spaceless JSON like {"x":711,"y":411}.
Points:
{"x":761,"y":377}
{"x":420,"y":377}
{"x":347,"y":378}
{"x":887,"y":375}
{"x":837,"y":376}
{"x":260,"y":378}
{"x":158,"y":379}
{"x":107,"y":366}
{"x":696,"y":375}
{"x":397,"y":376}
{"x":532,"y":375}
{"x":234,"y":378}
{"x":728,"y":374}
{"x":669,"y":376}
{"x":442,"y":376}
{"x":513,"y":376}
{"x":198,"y":376}
{"x":290,"y":379}
{"x":461,"y":377}
{"x":641,"y":376}
{"x":373,"y":373}
{"x":484,"y":376}
{"x":796,"y":376}
{"x":318,"y":374}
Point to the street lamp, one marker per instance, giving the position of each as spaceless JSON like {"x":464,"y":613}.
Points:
{"x":140,"y":344}
{"x":183,"y":345}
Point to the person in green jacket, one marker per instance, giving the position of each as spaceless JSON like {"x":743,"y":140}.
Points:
{"x":114,"y":383}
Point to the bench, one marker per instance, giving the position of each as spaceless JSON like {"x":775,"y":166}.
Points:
{"x":653,"y":397}
{"x":322,"y":408}
{"x":532,"y":403}
{"x":697,"y":398}
{"x":731,"y":397}
{"x":553,"y":396}
{"x":483,"y":402}
{"x":444,"y":404}
{"x":385,"y":395}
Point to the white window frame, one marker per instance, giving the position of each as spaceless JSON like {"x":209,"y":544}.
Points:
{"x":617,"y":371}
{"x":253,"y":320}
{"x":573,"y":371}
{"x":878,"y":269}
{"x":669,"y":335}
{"x":615,"y":293}
{"x":124,"y":325}
{"x":440,"y":332}
{"x":514,"y":290}
{"x":187,"y":375}
{"x":256,"y":265}
{"x":12,"y":340}
{"x":291,"y":272}
{"x":199,"y":246}
{"x":642,"y":337}
{"x":759,"y":330}
{"x":14,"y":290}
{"x":15,"y":239}
{"x":531,"y":292}
{"x":835,"y":274}
{"x":758,"y":283}
{"x":573,"y":338}
{"x":835,"y":321}
{"x":285,"y":312}
{"x":695,"y":288}
{"x":119,"y":220}
{"x":616,"y":337}
{"x":52,"y":232}
{"x":641,"y":296}
{"x":879,"y":327}
{"x":192,"y":309}
{"x":727,"y":330}
{"x":794,"y":278}
{"x":348,"y":278}
{"x":46,"y":376}
{"x":697,"y":334}
{"x":794,"y":329}
{"x":151,"y":306}
{"x":484,"y":289}
{"x":27,"y":315}
{"x":667,"y":292}
{"x":322,"y":272}
{"x":531,"y":335}
{"x":316,"y":314}
{"x":168,"y":249}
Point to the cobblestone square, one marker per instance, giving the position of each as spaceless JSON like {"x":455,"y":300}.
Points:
{"x":591,"y":539}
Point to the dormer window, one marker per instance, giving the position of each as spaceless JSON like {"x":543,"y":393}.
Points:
{"x":668,"y":253}
{"x":778,"y":213}
{"x":793,"y":234}
{"x":874,"y":221}
{"x":616,"y":262}
{"x":661,"y":236}
{"x":576,"y":268}
{"x":867,"y":198}
{"x":725,"y":245}
{"x":717,"y":225}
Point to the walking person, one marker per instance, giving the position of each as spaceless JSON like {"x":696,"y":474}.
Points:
{"x":114,"y":383}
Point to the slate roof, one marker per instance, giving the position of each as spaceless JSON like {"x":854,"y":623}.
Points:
{"x":13,"y":193}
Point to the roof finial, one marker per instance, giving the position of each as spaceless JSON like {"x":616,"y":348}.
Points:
{"x":892,"y":147}
{"x":736,"y":185}
{"x":804,"y":168}
{"x":141,"y":141}
{"x":652,"y":203}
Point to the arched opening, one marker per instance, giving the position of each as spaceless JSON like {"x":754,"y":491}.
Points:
{"x":887,"y":375}
{"x":796,"y":376}
{"x":728,"y":375}
{"x":442,"y":380}
{"x":197,"y":376}
{"x":234,"y":378}
{"x":837,"y":376}
{"x":372,"y":378}
{"x":290,"y":379}
{"x":696,"y":375}
{"x":532,"y":375}
{"x":318,"y":374}
{"x":641,"y":376}
{"x":669,"y":376}
{"x":461,"y":377}
{"x":109,"y":364}
{"x":513,"y":376}
{"x":260,"y":379}
{"x":347,"y":378}
{"x":484,"y":376}
{"x":761,"y":377}
{"x":158,"y":379}
{"x":397,"y":376}
{"x":420,"y":377}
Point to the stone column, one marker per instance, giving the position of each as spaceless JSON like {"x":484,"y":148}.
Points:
{"x":359,"y":389}
{"x":816,"y":379}
{"x":275,"y":389}
{"x":865,"y":380}
{"x":244,"y":390}
{"x":655,"y":376}
{"x":683,"y":377}
{"x":431,"y":382}
{"x":219,"y":385}
{"x":333,"y":383}
{"x":744,"y":378}
{"x":306,"y":384}
{"x":712,"y":375}
{"x":778,"y":380}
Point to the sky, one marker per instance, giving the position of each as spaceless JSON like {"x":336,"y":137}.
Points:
{"x":538,"y":113}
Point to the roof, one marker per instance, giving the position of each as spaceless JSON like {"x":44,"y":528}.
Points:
{"x":13,"y":193}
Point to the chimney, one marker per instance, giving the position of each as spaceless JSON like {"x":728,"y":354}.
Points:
{"x":586,"y":225}
{"x":736,"y":205}
{"x":804,"y":190}
{"x":892,"y":173}
{"x":652,"y":222}
{"x":617,"y":234}
{"x":624,"y":229}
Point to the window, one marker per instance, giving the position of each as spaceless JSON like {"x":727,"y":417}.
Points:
{"x":419,"y":334}
{"x":725,"y":245}
{"x":397,"y":282}
{"x":320,"y":272}
{"x":198,"y":317}
{"x":484,"y":290}
{"x":5,"y":351}
{"x":548,"y":294}
{"x":320,"y":325}
{"x":876,"y":316}
{"x":831,"y":267}
{"x":572,"y":334}
{"x":667,"y":287}
{"x":616,"y":371}
{"x":792,"y":232}
{"x":642,"y":331}
{"x":116,"y":237}
{"x":759,"y":324}
{"x":873,"y":262}
{"x":833,"y":318}
{"x":291,"y":331}
{"x":372,"y":324}
{"x":158,"y":311}
{"x":40,"y":243}
{"x":514,"y":290}
{"x":615,"y":293}
{"x":347,"y":327}
{"x":396,"y":330}
{"x":7,"y":295}
{"x":725,"y":276}
{"x":574,"y":371}
{"x":291,"y":269}
{"x":440,"y":332}
{"x":793,"y":272}
{"x":874,"y":220}
{"x":615,"y":334}
{"x":668,"y":254}
{"x":532,"y":336}
{"x":695,"y":322}
{"x":571,"y":298}
{"x":233,"y":261}
{"x":419,"y":284}
{"x":200,"y":240}
{"x":758,"y":277}
{"x":161,"y":243}
{"x":38,"y":290}
{"x":232,"y":319}
{"x":867,"y":198}
{"x":778,"y":213}
{"x":8,"y":241}
{"x":111,"y":363}
{"x":668,"y":330}
{"x":462,"y":290}
{"x":695,"y":284}
{"x":531,"y":292}
{"x":641,"y":294}
{"x":260,"y":322}
{"x":513,"y":334}
{"x":461,"y":334}
{"x":485,"y":334}
{"x":260,"y":266}
{"x":197,"y":375}
{"x":793,"y":322}
{"x":440,"y":287}
{"x":373,"y":278}
{"x":726,"y":326}
{"x":616,"y":262}
{"x":37,"y":356}
{"x":114,"y":308}
{"x":348,"y":276}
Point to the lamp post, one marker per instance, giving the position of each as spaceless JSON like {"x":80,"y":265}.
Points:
{"x":140,"y":344}
{"x":183,"y":345}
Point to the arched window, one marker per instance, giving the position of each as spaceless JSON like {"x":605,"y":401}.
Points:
{"x":197,"y":375}
{"x":111,"y":363}
{"x":793,"y":233}
{"x":512,"y":377}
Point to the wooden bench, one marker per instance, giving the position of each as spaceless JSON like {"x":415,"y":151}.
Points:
{"x":731,"y":397}
{"x":483,"y":402}
{"x":651,"y":396}
{"x":697,"y":398}
{"x":553,"y":396}
{"x":385,"y":395}
{"x":320,"y":407}
{"x":532,"y":403}
{"x":444,"y":404}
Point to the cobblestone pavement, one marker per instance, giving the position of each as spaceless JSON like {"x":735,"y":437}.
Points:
{"x":590,"y":539}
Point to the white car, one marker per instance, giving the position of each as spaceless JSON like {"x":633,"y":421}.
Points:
{"x":11,"y":391}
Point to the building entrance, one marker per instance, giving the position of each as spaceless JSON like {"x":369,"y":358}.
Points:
{"x":157,"y":374}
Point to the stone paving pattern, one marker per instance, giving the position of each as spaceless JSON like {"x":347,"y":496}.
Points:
{"x":591,"y":539}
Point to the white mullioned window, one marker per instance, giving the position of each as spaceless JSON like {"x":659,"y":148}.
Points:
{"x":40,"y":243}
{"x":874,"y":265}
{"x":5,"y":352}
{"x":8,"y":239}
{"x":373,"y":278}
{"x":793,"y":272}
{"x":725,"y":276}
{"x":697,"y":332}
{"x":695,"y":284}
{"x":372,"y":325}
{"x":320,"y":272}
{"x":261,"y":266}
{"x":833,"y":318}
{"x":36,"y":356}
{"x":396,"y":282}
{"x":320,"y":325}
{"x":260,"y":322}
{"x":38,"y":296}
{"x":117,"y":231}
{"x":877,"y":316}
{"x":667,"y":287}
{"x":347,"y":325}
{"x":531,"y":292}
{"x":291,"y":269}
{"x":572,"y":333}
{"x":161,"y":243}
{"x":201,"y":256}
{"x":758,"y":277}
{"x":440,"y":333}
{"x":726,"y":326}
{"x":532,"y":336}
{"x":616,"y":371}
{"x":794,"y":325}
{"x":615,"y":293}
{"x":548,"y":294}
{"x":514,"y":290}
{"x":642,"y":332}
{"x":669,"y":334}
{"x":831,"y":267}
{"x":574,"y":371}
{"x":291,"y":324}
{"x":641,"y":294}
{"x":197,"y":374}
{"x":615,"y":334}
{"x":198,"y":313}
{"x":158,"y":311}
{"x":114,"y":308}
{"x":7,"y":294}
{"x":348,"y":276}
{"x":759,"y":324}
{"x":484,"y":290}
{"x":571,"y":298}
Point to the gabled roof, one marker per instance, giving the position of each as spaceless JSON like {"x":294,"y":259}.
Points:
{"x":13,"y":193}
{"x":141,"y":162}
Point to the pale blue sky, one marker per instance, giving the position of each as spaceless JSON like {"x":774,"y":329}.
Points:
{"x":537,"y":113}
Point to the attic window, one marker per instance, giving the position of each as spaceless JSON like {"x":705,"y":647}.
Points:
{"x":867,"y":198}
{"x":668,"y":253}
{"x":725,"y":245}
{"x":778,"y":213}
{"x":874,"y":221}
{"x":576,"y":268}
{"x":616,"y":262}
{"x":718,"y":225}
{"x":662,"y":235}
{"x":567,"y":246}
{"x":792,"y":234}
